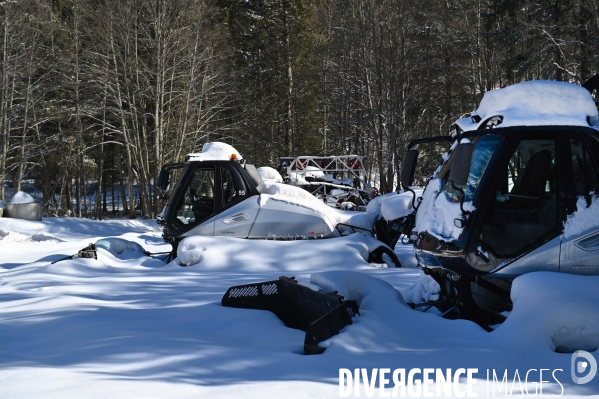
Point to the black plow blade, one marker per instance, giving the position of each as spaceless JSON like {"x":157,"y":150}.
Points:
{"x":320,"y":315}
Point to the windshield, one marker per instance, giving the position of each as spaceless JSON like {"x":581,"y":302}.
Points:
{"x":484,"y":150}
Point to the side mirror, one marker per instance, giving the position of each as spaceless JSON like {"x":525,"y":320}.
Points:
{"x":460,"y":167}
{"x":408,"y":168}
{"x":164,"y":179}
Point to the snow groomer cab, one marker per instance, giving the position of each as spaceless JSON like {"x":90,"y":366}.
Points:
{"x":217,"y":195}
{"x":517,"y":193}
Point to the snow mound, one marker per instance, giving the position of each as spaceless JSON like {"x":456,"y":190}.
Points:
{"x":12,"y":236}
{"x":21,"y":198}
{"x":554,"y":310}
{"x":585,"y":218}
{"x":237,"y":254}
{"x":215,"y":151}
{"x":120,"y":248}
{"x":367,"y":291}
{"x":298,"y":196}
{"x":424,"y":290}
{"x":536,"y":103}
{"x":43,"y":237}
{"x":397,"y":206}
{"x":269,"y":173}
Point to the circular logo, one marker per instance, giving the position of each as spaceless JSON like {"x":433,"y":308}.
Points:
{"x":583,"y":367}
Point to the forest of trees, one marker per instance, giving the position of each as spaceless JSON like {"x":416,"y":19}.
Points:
{"x":98,"y":94}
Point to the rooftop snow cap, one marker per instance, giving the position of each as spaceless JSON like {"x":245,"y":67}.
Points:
{"x":215,"y":151}
{"x":535,"y":103}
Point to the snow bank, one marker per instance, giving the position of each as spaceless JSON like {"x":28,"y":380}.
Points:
{"x":585,"y":218}
{"x":21,"y":198}
{"x":386,"y":323}
{"x":121,"y":248}
{"x":424,"y":290}
{"x":367,"y":291}
{"x":270,"y":174}
{"x":11,"y":236}
{"x":236,"y":254}
{"x":554,"y":310}
{"x":81,"y":327}
{"x":298,"y":196}
{"x":536,"y":103}
{"x":215,"y":151}
{"x":118,"y":252}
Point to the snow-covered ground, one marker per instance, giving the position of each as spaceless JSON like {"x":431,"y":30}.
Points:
{"x":130,"y":326}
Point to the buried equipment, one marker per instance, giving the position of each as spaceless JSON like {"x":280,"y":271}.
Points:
{"x":514,"y":185}
{"x":320,"y":315}
{"x":90,"y":252}
{"x":87,"y":252}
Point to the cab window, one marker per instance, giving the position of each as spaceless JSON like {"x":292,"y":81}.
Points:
{"x":524,"y":206}
{"x":198,"y":202}
{"x":229,"y":187}
{"x":484,"y":150}
{"x":584,"y":172}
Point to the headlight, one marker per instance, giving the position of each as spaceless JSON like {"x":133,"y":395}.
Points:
{"x":427,"y":260}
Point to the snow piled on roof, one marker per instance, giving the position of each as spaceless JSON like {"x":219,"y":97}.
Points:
{"x":585,"y":218}
{"x":268,"y":173}
{"x":215,"y":151}
{"x":536,"y":103}
{"x":21,"y":198}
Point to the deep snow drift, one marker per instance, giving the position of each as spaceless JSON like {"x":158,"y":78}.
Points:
{"x":128,"y":325}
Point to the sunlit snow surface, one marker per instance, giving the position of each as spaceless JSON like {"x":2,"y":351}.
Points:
{"x":584,"y":219}
{"x":129,"y":326}
{"x":21,"y":197}
{"x":536,"y":103}
{"x":215,"y":151}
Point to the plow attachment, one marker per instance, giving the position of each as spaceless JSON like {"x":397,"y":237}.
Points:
{"x":320,"y":315}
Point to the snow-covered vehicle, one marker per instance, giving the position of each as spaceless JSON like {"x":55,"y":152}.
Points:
{"x":517,"y":194}
{"x":339,"y":180}
{"x":219,"y":194}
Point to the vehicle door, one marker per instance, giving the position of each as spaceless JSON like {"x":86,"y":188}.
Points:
{"x":522,"y":211}
{"x":236,"y":215}
{"x":195,"y":207}
{"x":580,"y":242}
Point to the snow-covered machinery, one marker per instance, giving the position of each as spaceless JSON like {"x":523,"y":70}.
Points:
{"x":340,"y":181}
{"x":321,"y":315}
{"x":518,"y":193}
{"x":219,"y":194}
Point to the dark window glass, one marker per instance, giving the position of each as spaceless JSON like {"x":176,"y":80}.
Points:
{"x":584,"y":171}
{"x":198,"y":202}
{"x":485,"y":148}
{"x":524,"y":207}
{"x":229,"y":187}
